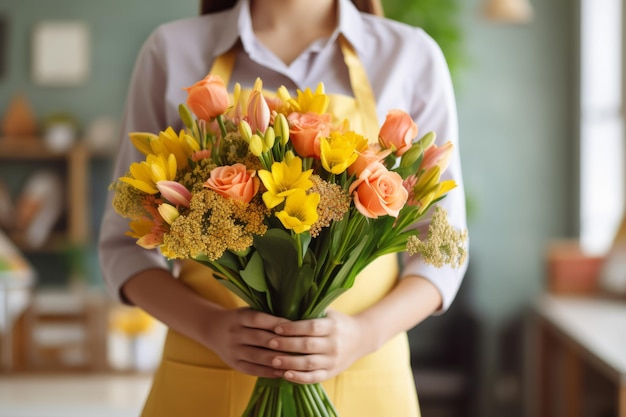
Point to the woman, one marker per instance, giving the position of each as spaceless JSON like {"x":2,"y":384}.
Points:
{"x":216,"y":347}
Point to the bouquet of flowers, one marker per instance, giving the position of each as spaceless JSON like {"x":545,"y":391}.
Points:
{"x":284,"y":206}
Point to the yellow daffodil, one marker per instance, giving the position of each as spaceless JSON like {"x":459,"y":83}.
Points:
{"x":144,"y":231}
{"x":306,"y":101}
{"x":181,"y":145}
{"x":142,"y":141}
{"x":300,"y":211}
{"x":145,"y":175}
{"x":283,"y":180}
{"x":339,"y":151}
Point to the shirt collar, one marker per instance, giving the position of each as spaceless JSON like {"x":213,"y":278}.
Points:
{"x":351,"y":24}
{"x":239,"y":25}
{"x":232,"y":27}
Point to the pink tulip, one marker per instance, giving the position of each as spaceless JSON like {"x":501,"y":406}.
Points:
{"x":437,"y":156}
{"x":258,"y":112}
{"x":174,"y":192}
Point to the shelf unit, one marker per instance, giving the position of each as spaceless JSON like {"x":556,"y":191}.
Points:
{"x":78,"y":316}
{"x":32,"y":150}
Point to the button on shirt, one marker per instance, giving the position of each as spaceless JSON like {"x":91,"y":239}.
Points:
{"x":405,"y":67}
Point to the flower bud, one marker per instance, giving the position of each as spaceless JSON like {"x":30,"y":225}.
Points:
{"x":256,"y":145}
{"x":269,"y":139}
{"x":258,"y":112}
{"x":168,"y":212}
{"x":245,"y":130}
{"x":281,"y":126}
{"x":185,"y":115}
{"x":174,"y":192}
{"x":289,"y":155}
{"x":428,"y":139}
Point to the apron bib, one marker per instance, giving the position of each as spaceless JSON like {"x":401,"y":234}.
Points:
{"x":193,"y":381}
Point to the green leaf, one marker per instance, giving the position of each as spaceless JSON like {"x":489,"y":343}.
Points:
{"x":325,"y":301}
{"x":230,"y":260}
{"x":236,"y":290}
{"x":280,"y":255}
{"x":254,"y":274}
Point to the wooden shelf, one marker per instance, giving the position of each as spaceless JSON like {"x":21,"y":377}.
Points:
{"x":27,"y":148}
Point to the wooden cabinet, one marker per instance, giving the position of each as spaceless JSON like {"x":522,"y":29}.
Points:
{"x":72,"y":229}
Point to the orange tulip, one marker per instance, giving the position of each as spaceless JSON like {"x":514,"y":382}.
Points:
{"x":207,"y":98}
{"x":398,"y":132}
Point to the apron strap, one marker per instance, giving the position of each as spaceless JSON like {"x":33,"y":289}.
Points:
{"x":224,"y":63}
{"x":361,"y":87}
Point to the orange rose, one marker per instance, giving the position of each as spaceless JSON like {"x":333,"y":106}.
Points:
{"x":378,"y":192}
{"x":306,"y":130}
{"x":207,"y":98}
{"x":234,"y":181}
{"x":398,"y":132}
{"x":366,"y":157}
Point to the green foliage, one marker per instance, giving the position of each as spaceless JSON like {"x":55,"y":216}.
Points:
{"x":439,"y":18}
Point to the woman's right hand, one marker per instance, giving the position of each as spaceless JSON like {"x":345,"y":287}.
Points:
{"x":241,"y":338}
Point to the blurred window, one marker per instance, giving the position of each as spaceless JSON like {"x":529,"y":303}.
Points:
{"x":602,"y":150}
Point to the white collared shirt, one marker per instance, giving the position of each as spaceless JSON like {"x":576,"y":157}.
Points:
{"x":405,"y":67}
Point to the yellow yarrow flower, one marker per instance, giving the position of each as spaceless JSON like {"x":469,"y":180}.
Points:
{"x":339,"y":151}
{"x":283,"y":180}
{"x":145,"y":175}
{"x":300,"y":211}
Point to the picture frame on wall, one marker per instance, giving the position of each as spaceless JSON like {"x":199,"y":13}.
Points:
{"x":60,"y":53}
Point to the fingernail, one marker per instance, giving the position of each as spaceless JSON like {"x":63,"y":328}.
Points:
{"x":279,"y":330}
{"x":273,"y":344}
{"x":288,"y":375}
{"x":277,"y":362}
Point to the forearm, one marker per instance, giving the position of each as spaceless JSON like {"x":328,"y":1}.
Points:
{"x":171,"y":302}
{"x":411,"y":301}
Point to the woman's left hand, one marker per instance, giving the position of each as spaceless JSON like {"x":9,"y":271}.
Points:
{"x":319,"y":349}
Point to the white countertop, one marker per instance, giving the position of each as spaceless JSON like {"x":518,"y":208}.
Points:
{"x":596,"y":325}
{"x":79,"y":395}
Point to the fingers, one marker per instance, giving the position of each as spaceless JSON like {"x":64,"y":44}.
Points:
{"x":314,"y":327}
{"x":257,"y":320}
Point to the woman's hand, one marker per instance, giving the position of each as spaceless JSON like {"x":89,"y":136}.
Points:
{"x":241,"y":337}
{"x":318,"y":349}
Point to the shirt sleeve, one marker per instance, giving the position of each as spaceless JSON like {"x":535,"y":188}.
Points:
{"x":434,"y":109}
{"x":120,"y":257}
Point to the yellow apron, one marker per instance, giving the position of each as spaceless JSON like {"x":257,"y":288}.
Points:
{"x":193,"y":381}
